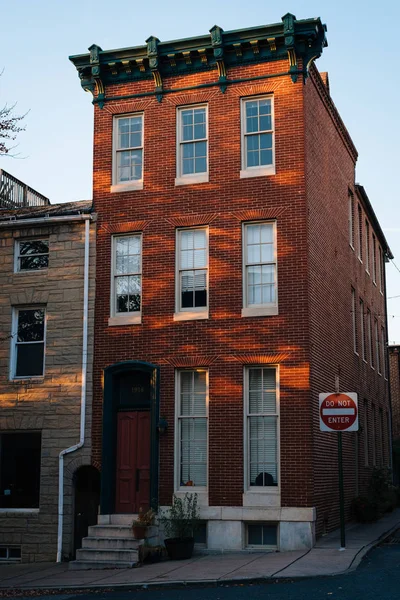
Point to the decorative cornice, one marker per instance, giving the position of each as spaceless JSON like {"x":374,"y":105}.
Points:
{"x":192,"y":220}
{"x":300,"y":42}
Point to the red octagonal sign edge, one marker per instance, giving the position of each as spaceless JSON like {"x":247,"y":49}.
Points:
{"x":338,"y":412}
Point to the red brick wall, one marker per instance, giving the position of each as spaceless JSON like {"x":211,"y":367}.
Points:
{"x":226,"y":341}
{"x":334,"y":268}
{"x":394,"y":367}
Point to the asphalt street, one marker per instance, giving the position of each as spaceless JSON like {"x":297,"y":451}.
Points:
{"x":377,"y":577}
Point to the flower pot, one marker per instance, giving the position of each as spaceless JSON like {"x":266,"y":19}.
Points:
{"x":179,"y":548}
{"x":139,"y":531}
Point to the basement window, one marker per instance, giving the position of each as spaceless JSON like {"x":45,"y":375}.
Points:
{"x":20,"y":470}
{"x":264,"y":535}
{"x":10,"y":553}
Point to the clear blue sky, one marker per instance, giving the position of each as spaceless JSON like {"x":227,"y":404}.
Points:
{"x":38,"y":36}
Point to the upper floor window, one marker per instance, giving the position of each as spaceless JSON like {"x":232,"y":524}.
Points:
{"x":126,"y":284}
{"x":259,"y":269}
{"x":381,"y":267}
{"x":374,"y":259}
{"x":28,"y":340}
{"x":367,"y":251}
{"x":128,"y":152}
{"x":192,"y":145}
{"x":351,"y":219}
{"x":354,"y":319}
{"x":192,"y":429}
{"x":192,"y":274}
{"x":261,"y":402}
{"x":360,"y":233}
{"x":257,"y":137}
{"x":31,"y":255}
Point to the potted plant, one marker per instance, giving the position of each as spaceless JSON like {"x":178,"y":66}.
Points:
{"x":143,"y":521}
{"x":179,"y":523}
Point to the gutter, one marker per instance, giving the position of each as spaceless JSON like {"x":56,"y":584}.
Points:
{"x":81,"y":442}
{"x":12,"y":222}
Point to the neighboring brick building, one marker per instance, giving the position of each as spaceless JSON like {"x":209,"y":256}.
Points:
{"x":42,"y":266}
{"x":394,"y":372}
{"x":228,"y":274}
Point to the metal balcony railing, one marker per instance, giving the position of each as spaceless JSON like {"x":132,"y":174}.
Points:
{"x":16,"y":194}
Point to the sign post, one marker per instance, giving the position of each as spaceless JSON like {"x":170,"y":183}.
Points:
{"x":339,"y":412}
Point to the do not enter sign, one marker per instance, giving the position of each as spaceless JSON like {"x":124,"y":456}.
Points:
{"x":338,"y":412}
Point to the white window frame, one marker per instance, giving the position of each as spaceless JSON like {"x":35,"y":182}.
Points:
{"x":258,"y":310}
{"x":380,"y":269}
{"x":362,"y":332}
{"x":191,"y":313}
{"x":384,"y":358}
{"x":192,"y":178}
{"x":377,"y":344}
{"x":360,"y":233}
{"x":263,"y":170}
{"x":351,"y":219}
{"x":14,"y":337}
{"x":367,"y":250}
{"x":370,"y":341}
{"x":177,"y":470}
{"x":125,"y":186}
{"x":354,"y":319}
{"x":374,"y":259}
{"x":17,"y":255}
{"x":251,"y":489}
{"x":128,"y":318}
{"x":366,"y":434}
{"x":373,"y":434}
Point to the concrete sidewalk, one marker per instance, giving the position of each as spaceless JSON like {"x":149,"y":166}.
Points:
{"x":324,"y":559}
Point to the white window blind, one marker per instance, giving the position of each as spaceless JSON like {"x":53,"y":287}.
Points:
{"x":192,"y":427}
{"x":192,"y":267}
{"x":262,"y":427}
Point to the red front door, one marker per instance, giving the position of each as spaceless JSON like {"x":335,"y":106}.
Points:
{"x":133,"y":462}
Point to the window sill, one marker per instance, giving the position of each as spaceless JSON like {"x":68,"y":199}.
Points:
{"x":202,"y":494}
{"x":192,"y":179}
{"x":135,"y":319}
{"x":29,"y":271}
{"x":127,"y":187}
{"x":19,"y":510}
{"x":38,"y":379}
{"x":266,"y":497}
{"x":262,"y":311}
{"x":191,"y":315}
{"x":257,"y":172}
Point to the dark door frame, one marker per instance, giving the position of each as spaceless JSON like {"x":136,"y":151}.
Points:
{"x":111,"y":406}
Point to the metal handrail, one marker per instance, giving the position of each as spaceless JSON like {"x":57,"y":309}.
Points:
{"x":16,"y":194}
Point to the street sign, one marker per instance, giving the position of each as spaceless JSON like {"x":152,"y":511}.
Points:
{"x":338,"y":412}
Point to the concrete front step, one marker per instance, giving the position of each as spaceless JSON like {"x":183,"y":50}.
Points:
{"x":107,"y":543}
{"x":109,"y":556}
{"x":111,"y":531}
{"x":84,"y":565}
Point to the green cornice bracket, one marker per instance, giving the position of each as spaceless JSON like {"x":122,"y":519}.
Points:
{"x":96,"y":85}
{"x":154,"y":64}
{"x":217,"y":42}
{"x":289,"y":22}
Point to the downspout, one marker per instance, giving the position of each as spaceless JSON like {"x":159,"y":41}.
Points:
{"x":83,"y":393}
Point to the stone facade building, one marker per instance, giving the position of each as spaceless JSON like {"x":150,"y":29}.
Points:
{"x":43,"y":304}
{"x":240,"y":272}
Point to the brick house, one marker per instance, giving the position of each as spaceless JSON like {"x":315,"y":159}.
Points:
{"x":42,"y":376}
{"x":240,"y":272}
{"x":394,"y":378}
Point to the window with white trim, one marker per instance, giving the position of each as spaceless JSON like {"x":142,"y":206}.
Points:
{"x":360,"y":232}
{"x":126,"y":287}
{"x":259,"y":269}
{"x":192,"y":144}
{"x":384,"y":354}
{"x":367,"y":250}
{"x":128,"y":152}
{"x":373,"y":434}
{"x":20,"y":455}
{"x":377,"y":350}
{"x":257,"y":118}
{"x":28,"y":342}
{"x":381,"y":270}
{"x":362,"y":332}
{"x":192,"y":273}
{"x":351,"y":219}
{"x":262,"y":430}
{"x":31,"y":255}
{"x":374,"y":259}
{"x":365,"y":434}
{"x":354,"y":319}
{"x":370,"y":342}
{"x":192,"y":428}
